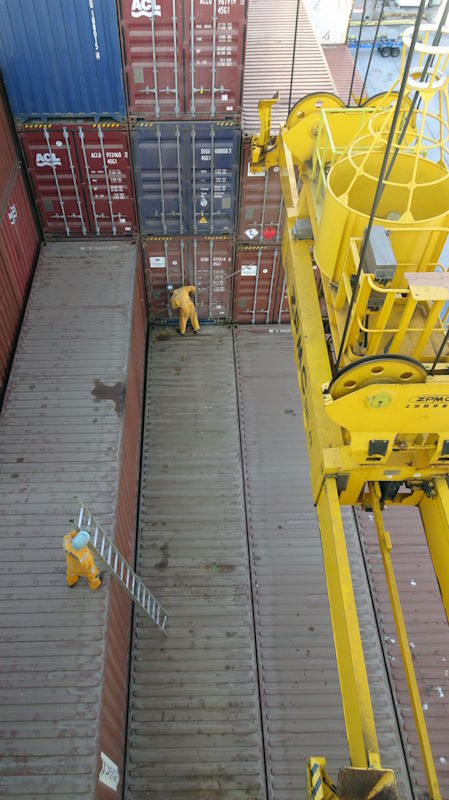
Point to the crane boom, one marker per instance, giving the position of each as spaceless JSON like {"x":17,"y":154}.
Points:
{"x":371,"y":217}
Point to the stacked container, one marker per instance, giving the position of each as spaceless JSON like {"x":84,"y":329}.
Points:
{"x":19,"y":242}
{"x":183,"y":66}
{"x":61,"y":62}
{"x":259,"y":293}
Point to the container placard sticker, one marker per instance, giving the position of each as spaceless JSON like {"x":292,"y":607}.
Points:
{"x":157,"y":262}
{"x":109,"y":774}
{"x":248,"y":270}
{"x":251,"y":233}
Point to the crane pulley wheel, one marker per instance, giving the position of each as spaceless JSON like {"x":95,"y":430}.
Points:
{"x":376,"y":370}
{"x":312,"y":103}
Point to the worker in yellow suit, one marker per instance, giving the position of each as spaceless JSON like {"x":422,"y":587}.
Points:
{"x":80,"y":561}
{"x":180,"y":298}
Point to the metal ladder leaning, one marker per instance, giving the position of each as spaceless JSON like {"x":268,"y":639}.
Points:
{"x":121,"y":570}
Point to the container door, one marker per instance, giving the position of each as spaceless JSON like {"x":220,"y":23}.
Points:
{"x":210,"y":267}
{"x":105,"y":167}
{"x":152,"y":46}
{"x":165,"y":262}
{"x":214,"y":155}
{"x":62,"y":58}
{"x":214,"y":43}
{"x":160,"y":172}
{"x":53,"y":167}
{"x":19,"y":239}
{"x":261,"y":208}
{"x":256,"y":283}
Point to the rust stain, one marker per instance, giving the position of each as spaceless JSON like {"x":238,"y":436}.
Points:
{"x":116,"y":393}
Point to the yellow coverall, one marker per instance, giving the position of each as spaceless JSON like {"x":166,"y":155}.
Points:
{"x":80,"y":563}
{"x":181,"y":299}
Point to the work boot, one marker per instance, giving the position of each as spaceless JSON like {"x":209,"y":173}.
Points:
{"x":195,"y":332}
{"x":178,"y":331}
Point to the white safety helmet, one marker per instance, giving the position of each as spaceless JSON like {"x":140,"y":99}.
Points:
{"x":81,"y":540}
{"x":170,"y":288}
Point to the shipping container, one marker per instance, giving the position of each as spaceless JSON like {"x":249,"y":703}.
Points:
{"x":70,"y":426}
{"x":186,"y":177}
{"x":183,"y":58}
{"x":19,"y":244}
{"x":261,"y":208}
{"x":341,"y":66}
{"x":270,"y":43}
{"x":204,"y":263}
{"x":258,"y":272}
{"x":62,"y":58}
{"x":82,"y":179}
{"x":9,"y":151}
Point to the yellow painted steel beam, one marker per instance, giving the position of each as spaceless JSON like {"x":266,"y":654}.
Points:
{"x":435,"y":516}
{"x":357,"y":708}
{"x":311,"y":357}
{"x":385,"y":549}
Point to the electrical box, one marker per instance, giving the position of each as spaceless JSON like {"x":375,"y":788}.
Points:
{"x":380,"y":260}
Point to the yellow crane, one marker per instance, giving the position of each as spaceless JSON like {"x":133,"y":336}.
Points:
{"x":372,"y":214}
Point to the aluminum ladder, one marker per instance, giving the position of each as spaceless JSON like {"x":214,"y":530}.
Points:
{"x":121,"y":570}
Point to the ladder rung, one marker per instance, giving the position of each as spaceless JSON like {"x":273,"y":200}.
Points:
{"x":115,"y":562}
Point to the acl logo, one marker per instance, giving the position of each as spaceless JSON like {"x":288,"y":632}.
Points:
{"x":47,"y":160}
{"x":12,"y":214}
{"x":145,"y":8}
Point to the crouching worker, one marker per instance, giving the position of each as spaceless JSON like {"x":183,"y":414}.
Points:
{"x":80,"y":561}
{"x":180,"y":298}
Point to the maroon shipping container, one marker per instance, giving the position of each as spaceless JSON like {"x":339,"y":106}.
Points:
{"x":206,"y":263}
{"x":261,"y":207}
{"x":9,"y":160}
{"x":183,"y":58}
{"x":282,"y":309}
{"x":82,"y":178}
{"x":19,"y":244}
{"x":341,"y":65}
{"x":258,"y":272}
{"x":71,"y":425}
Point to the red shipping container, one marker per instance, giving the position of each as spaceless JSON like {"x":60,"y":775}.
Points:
{"x":261,"y":207}
{"x":258,"y":271}
{"x":9,"y":161}
{"x":282,"y":309}
{"x":183,"y":58}
{"x":206,"y":263}
{"x":82,"y":178}
{"x":19,"y":244}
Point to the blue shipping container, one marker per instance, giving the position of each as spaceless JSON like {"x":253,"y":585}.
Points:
{"x":61,"y":58}
{"x":186,"y":177}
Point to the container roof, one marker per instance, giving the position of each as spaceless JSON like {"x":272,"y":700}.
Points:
{"x":268,"y":60}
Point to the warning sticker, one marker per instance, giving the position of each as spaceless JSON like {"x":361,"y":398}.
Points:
{"x":249,"y":270}
{"x":202,"y":220}
{"x":157,"y":262}
{"x":251,"y":233}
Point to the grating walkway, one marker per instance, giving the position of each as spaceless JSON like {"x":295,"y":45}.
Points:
{"x":194,"y":722}
{"x":300,"y":697}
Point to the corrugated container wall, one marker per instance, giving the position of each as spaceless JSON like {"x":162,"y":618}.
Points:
{"x":204,"y":263}
{"x":9,"y":160}
{"x":341,"y":65}
{"x":261,"y":207}
{"x":82,"y":179}
{"x":268,"y":61}
{"x":186,"y":177}
{"x":183,"y":57}
{"x":62,"y":58}
{"x":19,"y":243}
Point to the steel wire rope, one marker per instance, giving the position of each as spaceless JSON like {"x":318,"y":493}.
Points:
{"x":357,"y":51}
{"x":382,"y":177}
{"x":416,"y":97}
{"x":372,"y":51}
{"x":292,"y":74}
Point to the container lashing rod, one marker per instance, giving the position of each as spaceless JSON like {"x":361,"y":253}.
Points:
{"x":121,"y":570}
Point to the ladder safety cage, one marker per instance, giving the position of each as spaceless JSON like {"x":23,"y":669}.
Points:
{"x":121,"y":570}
